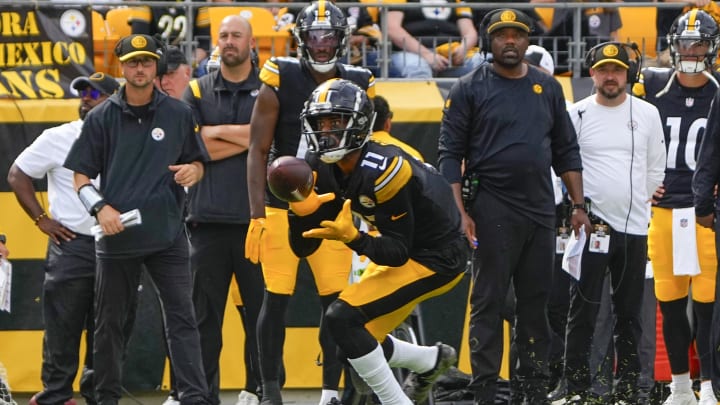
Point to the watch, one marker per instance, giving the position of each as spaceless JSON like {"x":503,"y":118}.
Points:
{"x":578,"y":207}
{"x":97,"y":207}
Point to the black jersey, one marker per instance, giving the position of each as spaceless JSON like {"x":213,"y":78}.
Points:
{"x":132,"y":155}
{"x":407,"y":201}
{"x":293,"y":83}
{"x":509,"y":132}
{"x":683,"y":111}
{"x":171,"y":23}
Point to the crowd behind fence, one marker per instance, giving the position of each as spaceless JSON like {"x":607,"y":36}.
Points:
{"x":110,"y":23}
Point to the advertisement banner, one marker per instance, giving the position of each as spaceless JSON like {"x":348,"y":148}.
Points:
{"x":42,"y":49}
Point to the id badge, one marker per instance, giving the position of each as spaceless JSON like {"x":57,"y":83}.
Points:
{"x":561,"y":240}
{"x":599,"y":243}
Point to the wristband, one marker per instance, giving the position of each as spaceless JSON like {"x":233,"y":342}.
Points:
{"x":91,"y":199}
{"x":39,"y":217}
{"x":579,"y":207}
{"x":3,"y":239}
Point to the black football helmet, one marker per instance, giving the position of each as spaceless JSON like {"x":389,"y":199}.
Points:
{"x":692,"y":28}
{"x":321,"y":25}
{"x":344,"y":99}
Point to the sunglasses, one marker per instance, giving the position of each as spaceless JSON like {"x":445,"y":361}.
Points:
{"x":93,"y":93}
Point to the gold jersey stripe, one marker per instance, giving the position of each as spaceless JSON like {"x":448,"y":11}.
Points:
{"x":270,"y":74}
{"x":393,"y":180}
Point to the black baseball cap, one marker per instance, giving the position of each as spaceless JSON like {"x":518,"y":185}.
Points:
{"x":174,"y":57}
{"x":98,"y":81}
{"x":610,"y":53}
{"x":508,"y":17}
{"x":136,"y":45}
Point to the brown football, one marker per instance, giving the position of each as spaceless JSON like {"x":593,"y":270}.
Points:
{"x":290,"y":179}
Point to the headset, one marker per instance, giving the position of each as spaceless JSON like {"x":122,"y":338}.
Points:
{"x":634,"y":65}
{"x":160,"y":51}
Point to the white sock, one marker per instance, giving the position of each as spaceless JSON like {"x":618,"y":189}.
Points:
{"x":419,"y":359}
{"x":376,"y":372}
{"x":327,"y":395}
{"x":681,"y":382}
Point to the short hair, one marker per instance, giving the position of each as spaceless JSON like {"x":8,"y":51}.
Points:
{"x":382,"y":112}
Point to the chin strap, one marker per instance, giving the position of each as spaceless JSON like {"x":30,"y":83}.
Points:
{"x":674,"y":73}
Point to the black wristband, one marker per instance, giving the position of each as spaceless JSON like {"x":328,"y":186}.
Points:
{"x":3,"y":239}
{"x":578,"y":207}
{"x":97,"y":207}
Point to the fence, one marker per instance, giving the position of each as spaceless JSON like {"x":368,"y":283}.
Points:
{"x":110,"y":22}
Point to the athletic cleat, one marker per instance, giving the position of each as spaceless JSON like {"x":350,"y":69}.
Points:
{"x":171,"y":401}
{"x":418,"y":386}
{"x":681,"y":398}
{"x":334,"y":401}
{"x":570,"y":399}
{"x":247,"y":398}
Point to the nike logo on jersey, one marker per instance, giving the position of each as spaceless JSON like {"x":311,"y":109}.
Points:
{"x":396,"y":217}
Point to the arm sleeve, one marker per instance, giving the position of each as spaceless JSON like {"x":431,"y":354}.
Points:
{"x":708,"y":164}
{"x":392,"y":247}
{"x":565,"y":149}
{"x":454,"y":132}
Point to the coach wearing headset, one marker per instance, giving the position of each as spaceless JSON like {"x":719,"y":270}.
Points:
{"x":623,"y":153}
{"x":509,"y":207}
{"x":143,"y":145}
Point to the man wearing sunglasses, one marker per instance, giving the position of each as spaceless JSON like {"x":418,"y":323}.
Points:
{"x":142,"y":144}
{"x":70,"y":265}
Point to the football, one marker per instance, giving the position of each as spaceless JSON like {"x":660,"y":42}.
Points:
{"x":290,"y":179}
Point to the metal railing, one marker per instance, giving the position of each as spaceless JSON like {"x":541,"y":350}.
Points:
{"x":569,"y":48}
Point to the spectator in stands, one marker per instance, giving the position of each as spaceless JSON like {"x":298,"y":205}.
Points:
{"x":177,"y":73}
{"x":599,"y":24}
{"x":68,"y":288}
{"x":440,"y":42}
{"x":663,"y":20}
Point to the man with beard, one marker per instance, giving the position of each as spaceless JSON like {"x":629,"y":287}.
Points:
{"x":506,"y":194}
{"x":67,"y":295}
{"x":322,"y":33}
{"x":623,"y":152}
{"x":143,"y":145}
{"x":218,"y":213}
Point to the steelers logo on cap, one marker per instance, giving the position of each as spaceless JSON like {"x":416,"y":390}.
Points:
{"x":508,"y":15}
{"x":610,"y":51}
{"x":138,"y":42}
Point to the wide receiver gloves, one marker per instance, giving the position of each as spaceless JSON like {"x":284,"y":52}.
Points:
{"x":342,"y":228}
{"x":255,"y":240}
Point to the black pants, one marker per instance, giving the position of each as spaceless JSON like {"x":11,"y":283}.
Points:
{"x":625,"y":260}
{"x":217,"y":251}
{"x":67,"y":304}
{"x":511,"y":248}
{"x":116,"y":294}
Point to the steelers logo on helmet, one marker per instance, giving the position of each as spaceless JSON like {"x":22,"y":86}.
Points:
{"x":348,"y":103}
{"x":694,"y":38}
{"x":321,"y":32}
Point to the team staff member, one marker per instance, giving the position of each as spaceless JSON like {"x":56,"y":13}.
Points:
{"x":177,"y":73}
{"x":70,"y":263}
{"x":623,"y":155}
{"x":321,"y":32}
{"x":420,"y":252}
{"x":508,"y":160}
{"x":218,"y":213}
{"x":383,"y":124}
{"x":143,"y":145}
{"x":683,"y":258}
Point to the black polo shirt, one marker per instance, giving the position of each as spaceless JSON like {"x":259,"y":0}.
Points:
{"x":221,"y":196}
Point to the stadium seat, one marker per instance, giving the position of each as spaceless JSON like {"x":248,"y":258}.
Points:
{"x":268,"y":41}
{"x":102,"y":50}
{"x":638,"y":25}
{"x":546,"y":15}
